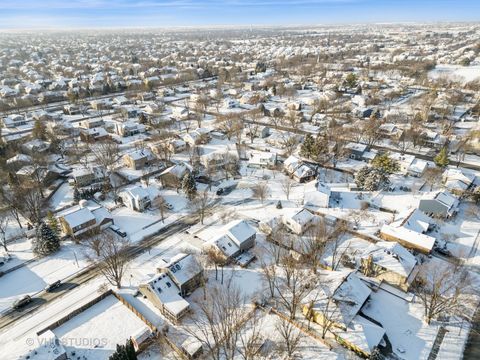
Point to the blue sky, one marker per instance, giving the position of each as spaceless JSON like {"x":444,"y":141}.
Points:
{"x":17,"y":14}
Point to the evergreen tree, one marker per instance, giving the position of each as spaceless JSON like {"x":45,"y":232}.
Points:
{"x":385,"y":164}
{"x":39,"y":130}
{"x":142,"y":119}
{"x":124,"y":352}
{"x":351,"y":80}
{"x":441,"y":160}
{"x":46,"y":241}
{"x":53,"y":224}
{"x":371,"y":179}
{"x":130,"y":350}
{"x":189,"y":186}
{"x":76,"y":195}
{"x":307,"y":147}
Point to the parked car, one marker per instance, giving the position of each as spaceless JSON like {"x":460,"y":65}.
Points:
{"x":169,"y":206}
{"x":53,"y":286}
{"x":18,"y":304}
{"x":118,"y":230}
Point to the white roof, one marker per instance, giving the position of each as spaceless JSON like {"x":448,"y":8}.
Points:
{"x":168,"y":293}
{"x":78,"y":217}
{"x":183,"y":267}
{"x":239,"y":231}
{"x":349,"y":294}
{"x":356,"y":146}
{"x":362,"y":333}
{"x":409,"y":236}
{"x":391,"y":256}
{"x":446,"y":198}
{"x":303,"y":216}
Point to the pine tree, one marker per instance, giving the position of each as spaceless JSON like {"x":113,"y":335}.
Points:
{"x":385,"y":164}
{"x":189,"y":186}
{"x":130,"y":350}
{"x":46,"y":241}
{"x":76,"y":195}
{"x":53,"y":224}
{"x":307,"y":147}
{"x":39,"y":130}
{"x":441,"y":160}
{"x":124,"y":352}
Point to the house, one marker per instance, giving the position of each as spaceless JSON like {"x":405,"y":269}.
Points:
{"x":185,"y":271}
{"x":129,"y":128}
{"x":14,"y":120}
{"x":198,"y":136}
{"x":299,"y":221}
{"x":94,"y":134}
{"x":417,"y":168}
{"x":91,"y":123}
{"x":83,"y":177}
{"x":457,"y":180}
{"x":138,"y":159}
{"x":165,"y":295}
{"x":298,"y":170}
{"x":442,"y":204}
{"x":340,"y":298}
{"x":36,"y":146}
{"x":172,"y":176}
{"x":135,"y":198}
{"x":19,"y":160}
{"x":177,"y":146}
{"x":84,"y":218}
{"x":180,"y":113}
{"x":318,"y":196}
{"x":390,"y":262}
{"x":356,"y":151}
{"x":234,"y":239}
{"x":411,"y":239}
{"x":262,"y":159}
{"x":404,"y":161}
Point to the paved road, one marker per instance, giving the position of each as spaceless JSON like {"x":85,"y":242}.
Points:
{"x":91,"y":272}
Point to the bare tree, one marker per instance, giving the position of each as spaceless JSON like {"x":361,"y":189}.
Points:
{"x":432,"y":176}
{"x":32,"y":203}
{"x":160,"y":204}
{"x":440,"y":289}
{"x":260,"y":190}
{"x":287,"y":185}
{"x":314,"y":244}
{"x":290,"y":335}
{"x":215,"y":324}
{"x":292,"y":285}
{"x":251,"y":340}
{"x":106,"y":154}
{"x":201,"y":204}
{"x":113,"y":258}
{"x":4,"y":220}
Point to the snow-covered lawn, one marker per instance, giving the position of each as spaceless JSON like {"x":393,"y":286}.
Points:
{"x":411,"y":338}
{"x":35,"y":276}
{"x":95,"y":332}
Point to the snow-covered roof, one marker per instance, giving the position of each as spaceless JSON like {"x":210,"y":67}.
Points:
{"x":183,"y":267}
{"x":168,"y":293}
{"x":240,"y":231}
{"x":303,"y":217}
{"x":347,"y":291}
{"x":78,"y":217}
{"x":391,"y":256}
{"x":414,"y":220}
{"x":417,"y":240}
{"x":362,"y":333}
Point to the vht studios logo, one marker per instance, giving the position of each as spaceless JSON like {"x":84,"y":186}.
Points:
{"x":79,"y":342}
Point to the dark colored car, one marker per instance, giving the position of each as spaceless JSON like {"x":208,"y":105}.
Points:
{"x":18,"y":304}
{"x":53,"y":286}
